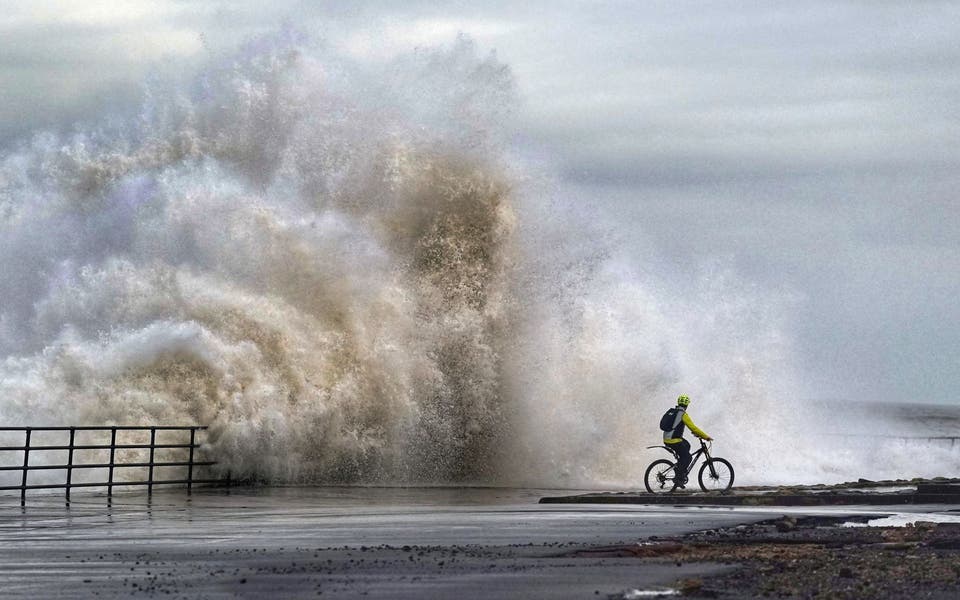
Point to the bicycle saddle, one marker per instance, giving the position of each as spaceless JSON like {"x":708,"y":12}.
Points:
{"x":667,"y":448}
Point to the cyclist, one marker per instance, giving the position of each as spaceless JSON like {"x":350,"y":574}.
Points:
{"x":673,"y":438}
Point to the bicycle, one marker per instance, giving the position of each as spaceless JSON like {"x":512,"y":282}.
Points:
{"x":716,"y":474}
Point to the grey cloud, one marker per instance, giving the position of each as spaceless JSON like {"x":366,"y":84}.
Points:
{"x":814,"y":144}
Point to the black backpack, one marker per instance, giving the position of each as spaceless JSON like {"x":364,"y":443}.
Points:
{"x":668,"y":419}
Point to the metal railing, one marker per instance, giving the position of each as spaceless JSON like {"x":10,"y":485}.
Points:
{"x":72,"y":448}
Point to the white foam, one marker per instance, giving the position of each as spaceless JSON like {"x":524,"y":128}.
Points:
{"x":342,"y":268}
{"x":907,"y":519}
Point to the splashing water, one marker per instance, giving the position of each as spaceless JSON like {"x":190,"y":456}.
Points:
{"x":340,"y":268}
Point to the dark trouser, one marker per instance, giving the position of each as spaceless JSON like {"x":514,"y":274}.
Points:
{"x":682,"y":448}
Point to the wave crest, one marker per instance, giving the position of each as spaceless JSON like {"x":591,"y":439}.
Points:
{"x":303,"y":253}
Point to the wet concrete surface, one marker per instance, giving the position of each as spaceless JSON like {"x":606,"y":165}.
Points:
{"x":345,"y":543}
{"x":863,"y":492}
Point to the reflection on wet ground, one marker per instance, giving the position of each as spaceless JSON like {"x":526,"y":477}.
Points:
{"x":345,"y":542}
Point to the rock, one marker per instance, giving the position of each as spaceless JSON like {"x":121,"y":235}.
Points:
{"x":846,"y":572}
{"x":894,"y":535}
{"x":787,"y":523}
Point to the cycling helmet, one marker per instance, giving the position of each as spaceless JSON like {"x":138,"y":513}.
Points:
{"x":683,"y":401}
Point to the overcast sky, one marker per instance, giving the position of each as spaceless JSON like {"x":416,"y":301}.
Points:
{"x":813,"y":145}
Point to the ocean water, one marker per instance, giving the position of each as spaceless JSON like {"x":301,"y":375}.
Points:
{"x":353,"y":275}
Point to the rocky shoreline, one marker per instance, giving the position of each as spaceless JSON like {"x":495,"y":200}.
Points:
{"x":812,"y":557}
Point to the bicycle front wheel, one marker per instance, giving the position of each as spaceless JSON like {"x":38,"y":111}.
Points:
{"x":716,"y":475}
{"x":659,"y":477}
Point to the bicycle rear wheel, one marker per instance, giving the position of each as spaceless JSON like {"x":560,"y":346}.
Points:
{"x":716,"y":475}
{"x":659,"y":477}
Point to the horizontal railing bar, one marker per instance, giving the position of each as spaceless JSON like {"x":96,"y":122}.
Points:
{"x":118,"y":428}
{"x":60,"y":486}
{"x":71,"y":447}
{"x":98,"y":447}
{"x":106,"y":465}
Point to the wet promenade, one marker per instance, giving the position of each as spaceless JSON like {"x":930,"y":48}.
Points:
{"x":343,"y":543}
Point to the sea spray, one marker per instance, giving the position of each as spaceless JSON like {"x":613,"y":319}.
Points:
{"x":307,"y":255}
{"x":343,"y":270}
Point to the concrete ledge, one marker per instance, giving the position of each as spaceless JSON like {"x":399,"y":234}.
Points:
{"x":922,"y":493}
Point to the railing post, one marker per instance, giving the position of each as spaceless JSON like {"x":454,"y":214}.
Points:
{"x":193,"y":437}
{"x":113,"y":449}
{"x":73,"y":432}
{"x":153,"y":443}
{"x":26,"y":463}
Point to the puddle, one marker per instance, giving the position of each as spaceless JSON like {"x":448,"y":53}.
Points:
{"x":904,"y":519}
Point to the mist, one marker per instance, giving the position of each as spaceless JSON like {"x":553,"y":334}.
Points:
{"x":379,"y":264}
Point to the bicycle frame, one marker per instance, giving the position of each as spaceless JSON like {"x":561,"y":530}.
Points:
{"x":694,"y":457}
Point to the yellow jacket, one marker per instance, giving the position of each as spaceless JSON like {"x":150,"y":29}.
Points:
{"x":675,"y":435}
